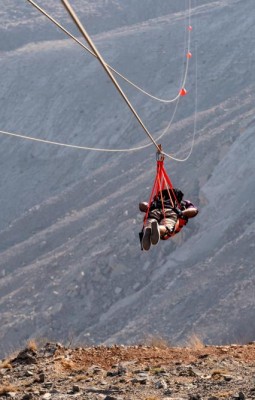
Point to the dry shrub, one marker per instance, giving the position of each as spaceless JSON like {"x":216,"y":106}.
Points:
{"x":152,"y":398}
{"x":67,"y":365}
{"x":225,"y":395}
{"x":5,"y":389}
{"x":32,"y":345}
{"x":157,"y":341}
{"x":195,"y":342}
{"x":79,"y":378}
{"x":6,"y":364}
{"x":219,"y":373}
{"x":157,"y":370}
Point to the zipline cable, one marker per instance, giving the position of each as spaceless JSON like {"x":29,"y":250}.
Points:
{"x":26,"y":137}
{"x":33,"y":3}
{"x":72,"y":146}
{"x":183,"y":79}
{"x":195,"y":115}
{"x":106,"y":68}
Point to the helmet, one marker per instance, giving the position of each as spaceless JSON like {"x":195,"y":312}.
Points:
{"x":178,"y":194}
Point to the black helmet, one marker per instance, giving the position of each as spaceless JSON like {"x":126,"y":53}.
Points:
{"x":178,"y":194}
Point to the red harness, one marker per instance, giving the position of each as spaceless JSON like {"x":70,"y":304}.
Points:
{"x":161,"y":182}
{"x":181,"y":222}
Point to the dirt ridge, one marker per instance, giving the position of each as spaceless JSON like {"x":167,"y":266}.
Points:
{"x":118,"y":372}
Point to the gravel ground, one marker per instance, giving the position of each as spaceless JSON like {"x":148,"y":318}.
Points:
{"x":136,"y":372}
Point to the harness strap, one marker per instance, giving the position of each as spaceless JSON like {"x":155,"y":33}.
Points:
{"x":169,"y":233}
{"x":181,"y":222}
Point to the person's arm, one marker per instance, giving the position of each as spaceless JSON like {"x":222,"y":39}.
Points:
{"x":190,"y":212}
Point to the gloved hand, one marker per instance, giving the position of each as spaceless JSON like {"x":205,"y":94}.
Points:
{"x":179,"y":213}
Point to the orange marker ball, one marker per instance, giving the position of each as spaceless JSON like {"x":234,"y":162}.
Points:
{"x":183,"y":92}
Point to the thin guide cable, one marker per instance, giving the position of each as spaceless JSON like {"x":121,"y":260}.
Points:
{"x":33,"y":3}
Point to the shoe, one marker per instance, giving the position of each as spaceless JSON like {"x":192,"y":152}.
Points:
{"x":155,"y":233}
{"x":146,"y":241}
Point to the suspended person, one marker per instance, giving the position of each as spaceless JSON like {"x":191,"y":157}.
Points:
{"x":167,"y":215}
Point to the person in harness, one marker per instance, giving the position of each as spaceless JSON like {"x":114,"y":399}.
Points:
{"x":167,"y":215}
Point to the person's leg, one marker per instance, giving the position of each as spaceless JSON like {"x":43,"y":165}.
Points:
{"x":146,"y":240}
{"x":155,"y":232}
{"x":151,"y":230}
{"x":167,"y":224}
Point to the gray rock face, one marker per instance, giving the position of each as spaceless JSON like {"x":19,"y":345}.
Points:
{"x":24,"y":24}
{"x":70,"y":262}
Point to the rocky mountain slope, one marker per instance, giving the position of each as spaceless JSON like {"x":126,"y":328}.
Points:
{"x":134,"y":372}
{"x":23,"y":24}
{"x":70,"y":258}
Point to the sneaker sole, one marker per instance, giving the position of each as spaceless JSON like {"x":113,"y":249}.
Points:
{"x":155,"y":235}
{"x":146,"y":242}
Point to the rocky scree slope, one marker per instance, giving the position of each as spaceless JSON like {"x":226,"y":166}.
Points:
{"x":70,"y":259}
{"x":134,"y":372}
{"x":23,"y":23}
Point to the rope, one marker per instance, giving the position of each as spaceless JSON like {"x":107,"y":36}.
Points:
{"x":111,"y":68}
{"x":87,"y":148}
{"x":195,"y":117}
{"x":34,"y":139}
{"x":72,"y":146}
{"x":106,"y":68}
{"x":184,"y":80}
{"x":22,"y":136}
